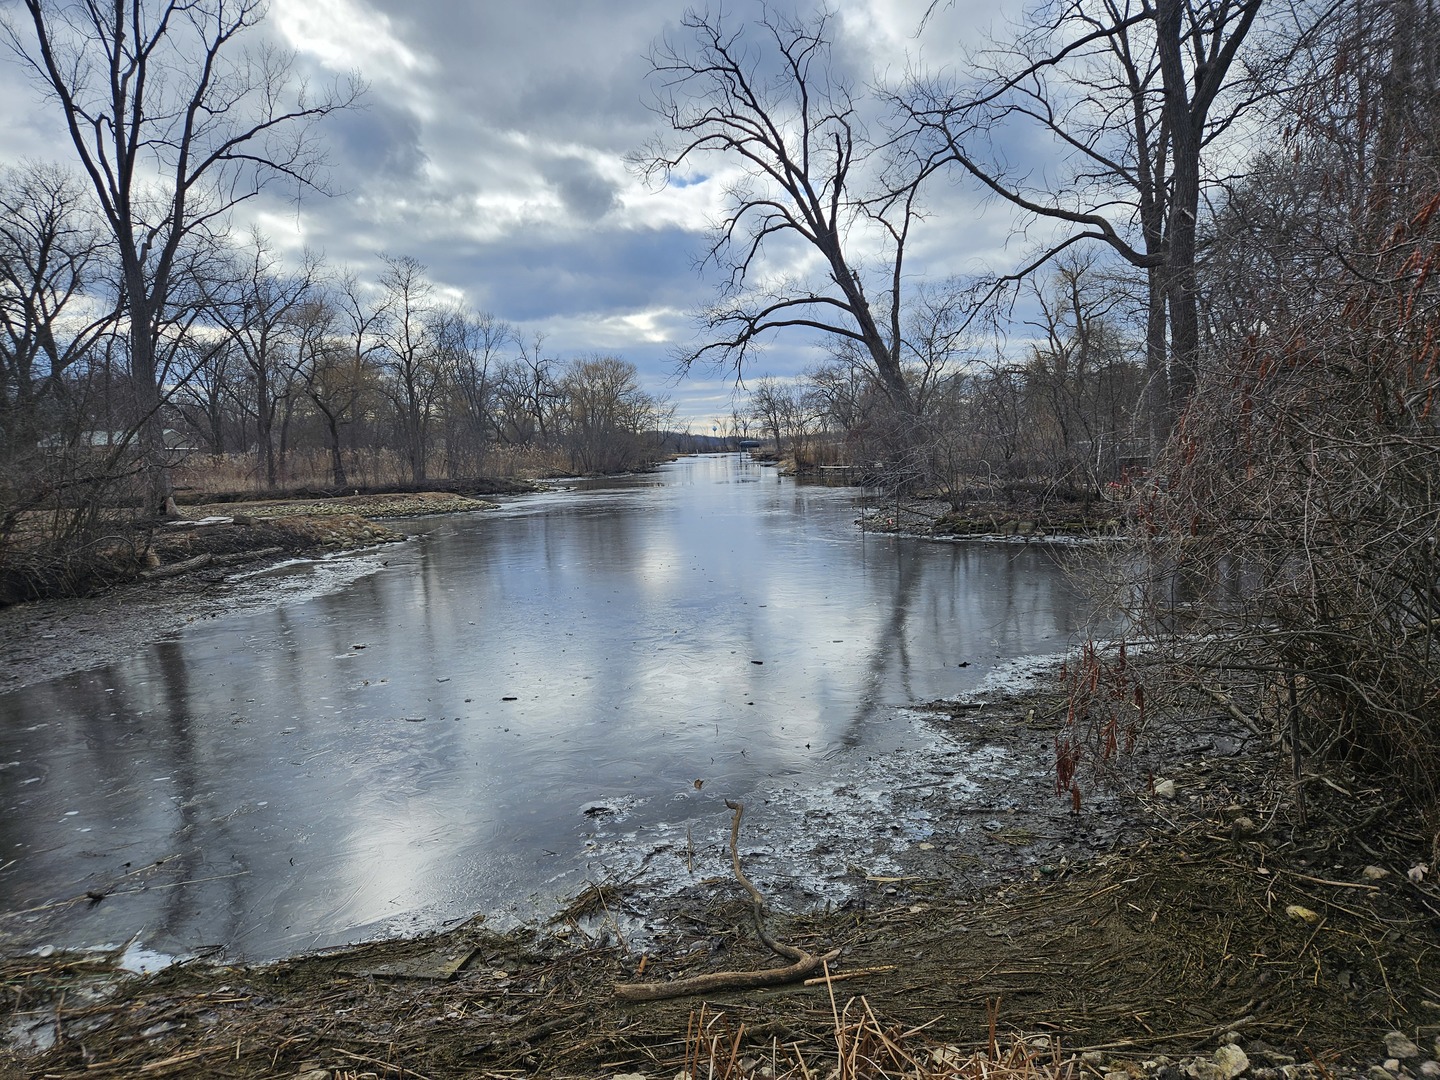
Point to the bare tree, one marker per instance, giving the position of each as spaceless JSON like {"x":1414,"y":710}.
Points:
{"x":768,"y":98}
{"x":473,"y":345}
{"x":607,"y":414}
{"x":52,"y":284}
{"x":256,"y":306}
{"x":175,"y":126}
{"x":1291,"y":550}
{"x":1083,"y":388}
{"x":338,"y":345}
{"x":411,"y":351}
{"x":527,"y":392}
{"x":1132,"y":94}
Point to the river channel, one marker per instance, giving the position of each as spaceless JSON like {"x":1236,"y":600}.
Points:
{"x":513,"y":704}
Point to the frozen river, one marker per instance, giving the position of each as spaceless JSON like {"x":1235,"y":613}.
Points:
{"x":486,"y":718}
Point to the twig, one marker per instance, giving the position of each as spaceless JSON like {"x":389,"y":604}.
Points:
{"x":802,"y":963}
{"x":855,"y":974}
{"x":1222,"y":698}
{"x":387,"y":1066}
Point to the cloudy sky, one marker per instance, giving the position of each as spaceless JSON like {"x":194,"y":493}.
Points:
{"x":492,"y":144}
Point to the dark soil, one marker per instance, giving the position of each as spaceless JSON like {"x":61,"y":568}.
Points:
{"x":1024,"y":516}
{"x":473,"y":487}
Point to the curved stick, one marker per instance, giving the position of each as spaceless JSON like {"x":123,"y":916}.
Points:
{"x":802,"y":963}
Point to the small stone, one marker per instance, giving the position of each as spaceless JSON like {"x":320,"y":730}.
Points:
{"x":1379,"y":1072}
{"x":1230,"y":1038}
{"x":1430,"y":1070}
{"x":1165,"y":789}
{"x":1398,"y":1045}
{"x":1231,"y":1061}
{"x":1391,"y":1065}
{"x":1374,"y":873}
{"x":1092,"y":1058}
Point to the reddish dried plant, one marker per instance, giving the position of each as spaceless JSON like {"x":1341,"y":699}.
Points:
{"x":1104,"y":716}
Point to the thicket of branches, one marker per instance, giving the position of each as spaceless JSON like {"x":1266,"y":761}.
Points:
{"x":1061,"y":417}
{"x":1294,"y":543}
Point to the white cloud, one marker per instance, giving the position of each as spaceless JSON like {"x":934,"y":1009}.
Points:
{"x":345,"y":35}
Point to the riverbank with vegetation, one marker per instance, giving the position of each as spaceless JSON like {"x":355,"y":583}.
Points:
{"x":1026,"y":518}
{"x":218,"y":531}
{"x":1197,"y":913}
{"x":198,"y":565}
{"x":1191,"y":925}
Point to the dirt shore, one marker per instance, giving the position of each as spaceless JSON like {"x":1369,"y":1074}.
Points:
{"x":45,"y":639}
{"x":1188,"y":906}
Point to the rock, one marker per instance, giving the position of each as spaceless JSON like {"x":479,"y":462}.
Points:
{"x":1092,"y":1058}
{"x":1430,"y":1070}
{"x":1398,"y":1045}
{"x":1302,"y":914}
{"x":1374,"y":873}
{"x":1379,"y":1072}
{"x":1231,"y":1060}
{"x":1391,"y":1065}
{"x":1165,"y":789}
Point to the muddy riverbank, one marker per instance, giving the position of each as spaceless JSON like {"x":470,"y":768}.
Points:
{"x":45,"y":639}
{"x":1185,"y":908}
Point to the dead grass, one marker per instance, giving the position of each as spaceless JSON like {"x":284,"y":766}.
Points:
{"x":1162,"y":948}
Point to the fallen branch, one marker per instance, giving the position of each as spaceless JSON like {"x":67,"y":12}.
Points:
{"x":176,"y":569}
{"x":1221,"y":698}
{"x":246,"y":556}
{"x":802,"y":964}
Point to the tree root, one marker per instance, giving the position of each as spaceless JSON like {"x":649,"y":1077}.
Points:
{"x":802,"y":964}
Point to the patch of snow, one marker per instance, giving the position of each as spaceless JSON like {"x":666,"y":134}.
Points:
{"x":143,"y":961}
